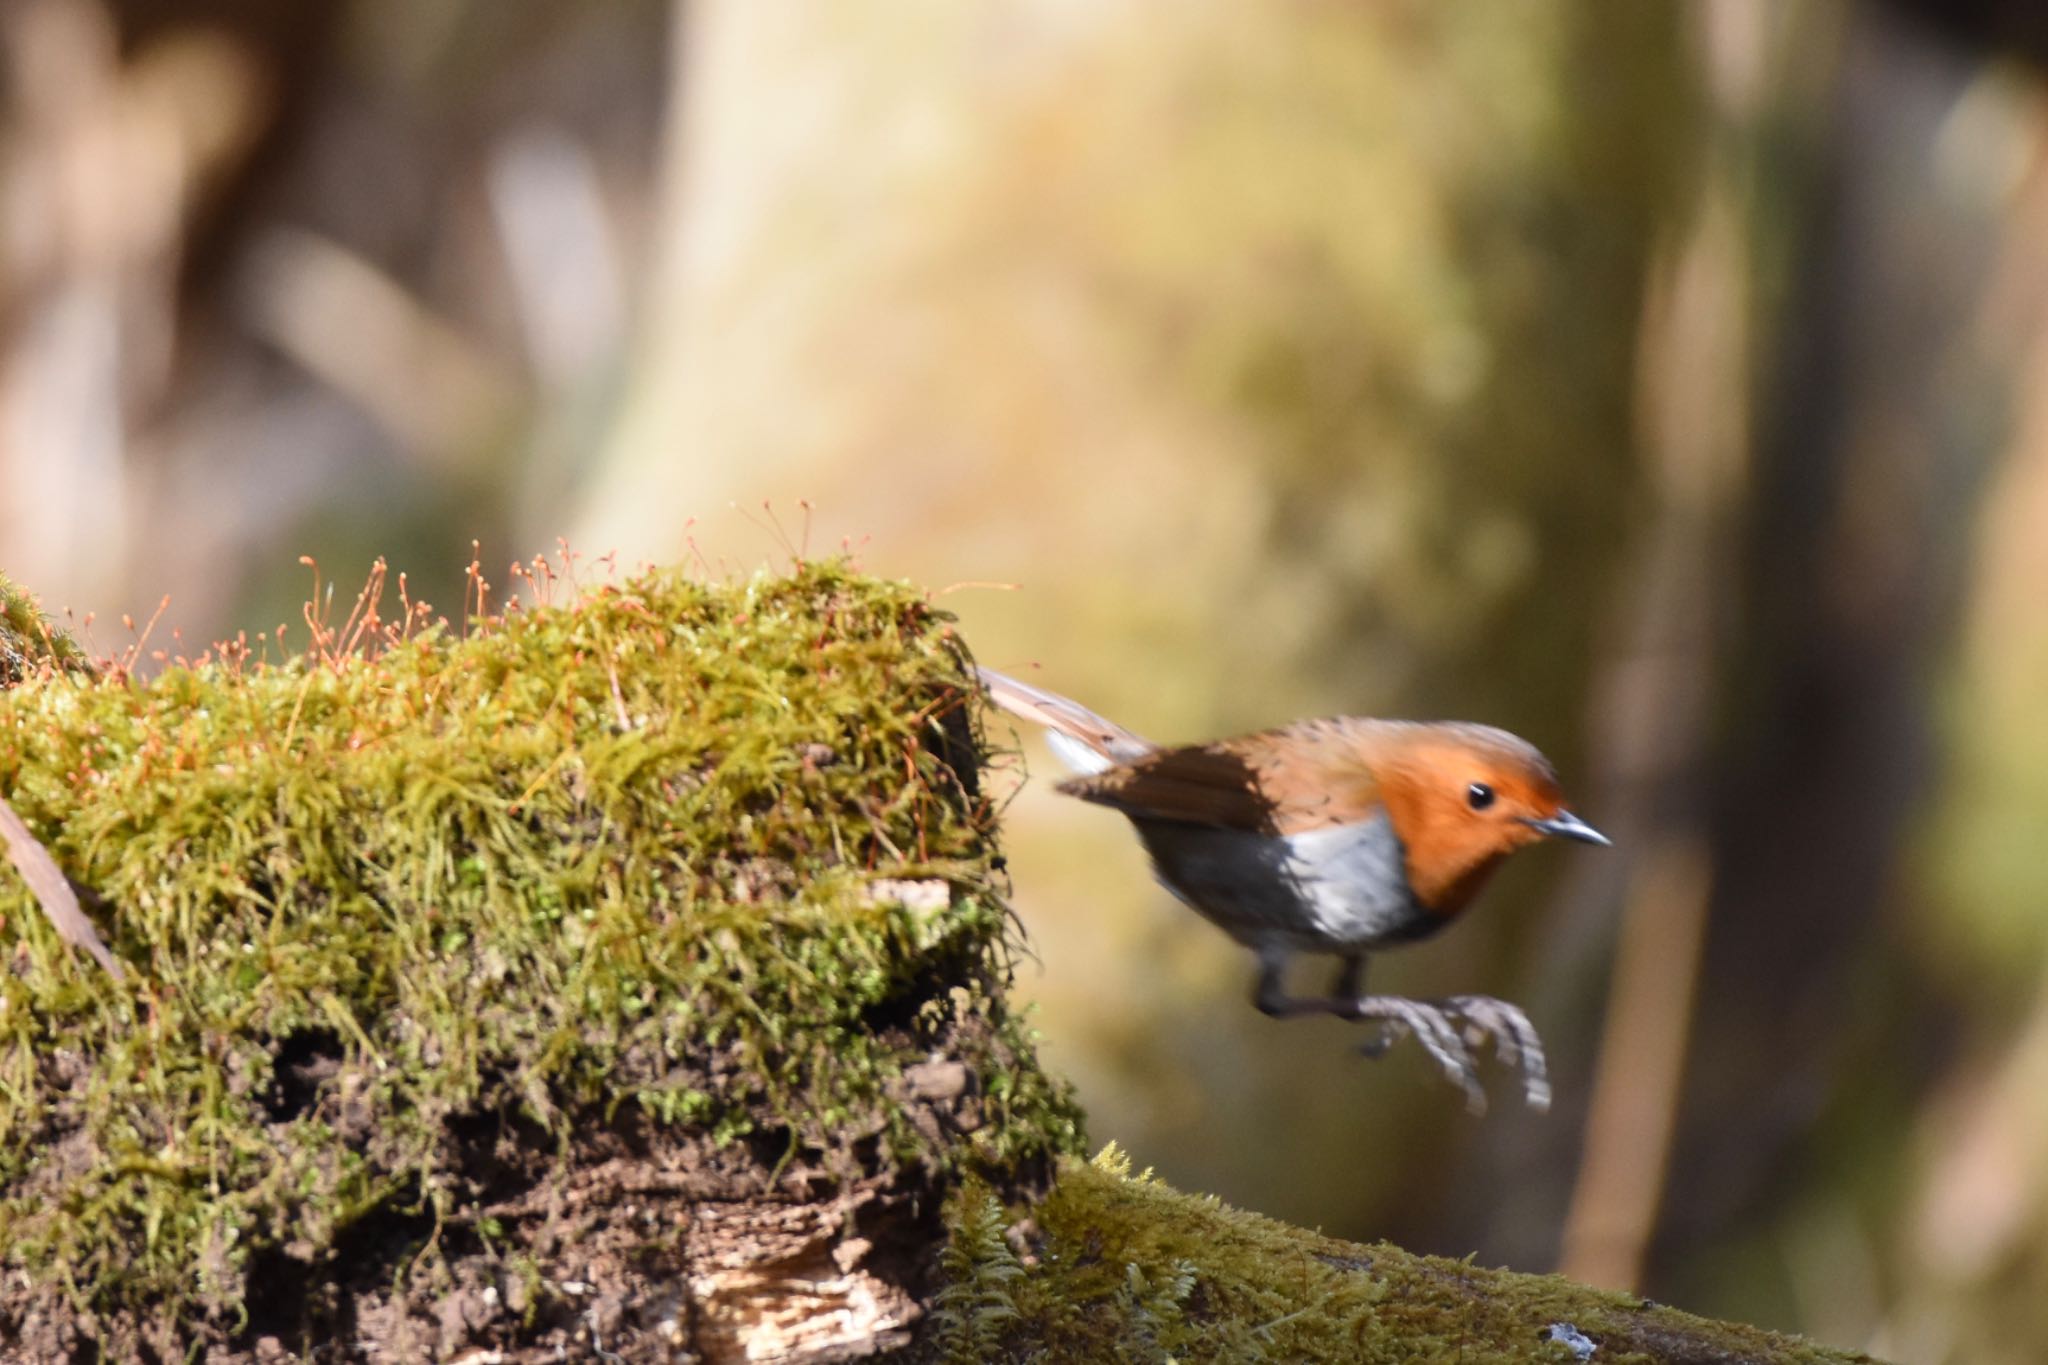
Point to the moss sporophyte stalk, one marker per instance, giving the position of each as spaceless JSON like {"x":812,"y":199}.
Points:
{"x":710,"y":856}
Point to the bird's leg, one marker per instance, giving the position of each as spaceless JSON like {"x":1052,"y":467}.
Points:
{"x":1269,"y":992}
{"x":1349,"y":997}
{"x":1270,"y":995}
{"x":1349,"y":989}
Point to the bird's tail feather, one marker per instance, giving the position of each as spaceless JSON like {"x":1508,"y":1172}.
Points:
{"x":1084,"y":741}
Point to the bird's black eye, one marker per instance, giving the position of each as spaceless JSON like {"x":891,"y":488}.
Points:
{"x":1479,"y":796}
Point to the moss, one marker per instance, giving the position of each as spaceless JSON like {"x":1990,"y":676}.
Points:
{"x":28,"y":641}
{"x":1126,"y":1269}
{"x":641,"y":856}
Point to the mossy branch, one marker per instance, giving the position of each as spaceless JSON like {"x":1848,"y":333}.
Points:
{"x":1119,"y":1267}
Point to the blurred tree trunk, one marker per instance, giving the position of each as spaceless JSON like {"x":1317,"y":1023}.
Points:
{"x":1871,"y":450}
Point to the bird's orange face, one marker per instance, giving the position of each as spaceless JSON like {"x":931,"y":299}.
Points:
{"x":1462,"y":798}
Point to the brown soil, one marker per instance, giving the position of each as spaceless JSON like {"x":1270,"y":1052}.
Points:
{"x":636,"y":1242}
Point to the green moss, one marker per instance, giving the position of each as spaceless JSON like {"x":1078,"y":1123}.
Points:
{"x":623,"y":856}
{"x":1126,"y":1269}
{"x":28,"y":640}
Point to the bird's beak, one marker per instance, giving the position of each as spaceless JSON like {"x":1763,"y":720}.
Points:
{"x":1565,"y":825}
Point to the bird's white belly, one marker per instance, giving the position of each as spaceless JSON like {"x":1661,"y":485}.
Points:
{"x":1325,"y":890}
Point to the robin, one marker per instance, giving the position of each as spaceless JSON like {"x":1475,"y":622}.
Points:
{"x":1340,"y":836}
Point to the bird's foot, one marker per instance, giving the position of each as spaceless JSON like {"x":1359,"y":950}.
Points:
{"x":1450,"y":1029}
{"x":1430,"y":1026}
{"x":1515,"y":1041}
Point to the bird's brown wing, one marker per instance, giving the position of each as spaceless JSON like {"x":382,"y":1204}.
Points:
{"x":51,"y":890}
{"x":1305,"y":776}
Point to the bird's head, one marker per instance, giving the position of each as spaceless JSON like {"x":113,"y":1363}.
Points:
{"x":1461,"y":798}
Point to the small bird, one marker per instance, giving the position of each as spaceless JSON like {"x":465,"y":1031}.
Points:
{"x":1341,"y":836}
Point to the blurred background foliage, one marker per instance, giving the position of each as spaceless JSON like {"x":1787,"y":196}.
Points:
{"x":1667,"y":382}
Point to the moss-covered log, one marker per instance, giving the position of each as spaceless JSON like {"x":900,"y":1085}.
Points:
{"x":624,"y":978}
{"x":629,"y":972}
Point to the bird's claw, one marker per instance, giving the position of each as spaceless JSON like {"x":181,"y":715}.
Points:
{"x":1515,"y":1040}
{"x":1431,"y":1027}
{"x":1449,"y":1030}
